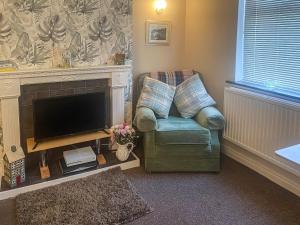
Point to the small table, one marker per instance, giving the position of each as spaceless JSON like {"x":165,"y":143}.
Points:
{"x":42,"y":147}
{"x":291,"y":153}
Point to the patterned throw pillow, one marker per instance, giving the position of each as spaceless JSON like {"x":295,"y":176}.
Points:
{"x":191,"y":97}
{"x":157,"y":96}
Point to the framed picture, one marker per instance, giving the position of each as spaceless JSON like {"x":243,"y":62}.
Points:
{"x":158,"y":32}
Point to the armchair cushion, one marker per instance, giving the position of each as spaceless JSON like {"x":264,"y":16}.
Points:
{"x":145,"y":119}
{"x":191,"y":97}
{"x":177,"y":130}
{"x":211,"y":118}
{"x":157,"y":96}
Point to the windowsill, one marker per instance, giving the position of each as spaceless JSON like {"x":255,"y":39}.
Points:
{"x":259,"y":89}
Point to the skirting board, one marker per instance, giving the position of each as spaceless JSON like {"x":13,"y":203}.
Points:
{"x":13,"y":193}
{"x":271,"y":172}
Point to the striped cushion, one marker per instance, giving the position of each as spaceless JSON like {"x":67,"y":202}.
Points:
{"x":157,"y":96}
{"x":191,"y":97}
{"x":173,"y":78}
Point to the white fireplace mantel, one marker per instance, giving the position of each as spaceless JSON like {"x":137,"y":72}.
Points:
{"x":11,"y":82}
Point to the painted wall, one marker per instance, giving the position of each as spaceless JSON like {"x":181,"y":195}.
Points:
{"x":203,"y":37}
{"x":149,"y":58}
{"x":45,"y":33}
{"x":210,"y":42}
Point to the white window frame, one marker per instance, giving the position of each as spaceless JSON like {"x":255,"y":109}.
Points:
{"x":239,"y":66}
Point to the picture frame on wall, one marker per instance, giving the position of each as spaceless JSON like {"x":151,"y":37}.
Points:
{"x":158,"y":32}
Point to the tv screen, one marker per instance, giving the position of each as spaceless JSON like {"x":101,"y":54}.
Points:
{"x":60,"y":116}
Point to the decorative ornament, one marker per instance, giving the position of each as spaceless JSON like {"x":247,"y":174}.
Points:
{"x":14,"y":166}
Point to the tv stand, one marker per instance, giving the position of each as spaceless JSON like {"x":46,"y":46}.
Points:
{"x":63,"y":141}
{"x":43,"y":146}
{"x":35,"y":145}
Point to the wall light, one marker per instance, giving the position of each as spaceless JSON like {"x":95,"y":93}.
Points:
{"x":160,"y":6}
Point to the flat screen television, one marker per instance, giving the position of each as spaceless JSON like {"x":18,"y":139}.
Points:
{"x":60,"y":116}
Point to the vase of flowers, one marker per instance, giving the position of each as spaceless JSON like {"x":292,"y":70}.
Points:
{"x":124,"y":136}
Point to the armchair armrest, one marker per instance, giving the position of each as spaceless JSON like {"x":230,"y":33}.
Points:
{"x":210,"y":118}
{"x":145,"y":119}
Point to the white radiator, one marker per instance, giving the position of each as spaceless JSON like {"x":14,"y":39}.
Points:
{"x":262,"y":124}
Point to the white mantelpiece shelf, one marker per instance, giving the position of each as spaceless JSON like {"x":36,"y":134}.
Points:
{"x":63,"y":71}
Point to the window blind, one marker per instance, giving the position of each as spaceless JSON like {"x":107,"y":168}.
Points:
{"x":270,"y":45}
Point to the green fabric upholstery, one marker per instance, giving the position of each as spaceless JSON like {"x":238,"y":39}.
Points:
{"x":210,"y":118}
{"x":145,"y":119}
{"x":178,"y":144}
{"x":179,"y":157}
{"x":177,"y":130}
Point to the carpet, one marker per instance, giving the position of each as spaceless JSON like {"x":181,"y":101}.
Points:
{"x":105,"y":198}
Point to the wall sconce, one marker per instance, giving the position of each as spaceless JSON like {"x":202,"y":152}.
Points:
{"x":160,"y":6}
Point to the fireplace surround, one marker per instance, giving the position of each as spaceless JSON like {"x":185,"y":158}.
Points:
{"x":13,"y":84}
{"x":58,"y":89}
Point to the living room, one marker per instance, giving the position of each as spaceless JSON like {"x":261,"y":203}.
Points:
{"x":196,"y":118}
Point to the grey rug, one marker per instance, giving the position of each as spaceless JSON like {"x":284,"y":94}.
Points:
{"x":104,"y":198}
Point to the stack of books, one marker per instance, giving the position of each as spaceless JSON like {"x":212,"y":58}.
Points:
{"x":78,"y":160}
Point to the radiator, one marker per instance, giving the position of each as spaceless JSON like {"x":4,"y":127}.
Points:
{"x":262,"y":124}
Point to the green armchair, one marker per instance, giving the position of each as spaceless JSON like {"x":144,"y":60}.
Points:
{"x":179,"y":144}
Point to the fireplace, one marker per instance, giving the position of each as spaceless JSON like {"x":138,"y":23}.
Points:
{"x":34,"y":92}
{"x":18,"y":89}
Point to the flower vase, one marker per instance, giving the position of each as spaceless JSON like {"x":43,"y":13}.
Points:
{"x":124,"y":151}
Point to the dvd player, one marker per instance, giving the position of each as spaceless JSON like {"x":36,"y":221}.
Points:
{"x":79,"y":156}
{"x":68,"y":170}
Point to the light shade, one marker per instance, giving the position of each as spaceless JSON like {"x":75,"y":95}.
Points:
{"x":160,"y":6}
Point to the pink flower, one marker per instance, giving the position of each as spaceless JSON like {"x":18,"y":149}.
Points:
{"x":123,"y":132}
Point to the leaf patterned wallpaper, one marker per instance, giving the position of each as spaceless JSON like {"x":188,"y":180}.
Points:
{"x":43,"y":33}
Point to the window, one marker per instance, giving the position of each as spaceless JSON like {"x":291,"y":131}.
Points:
{"x":268,"y":45}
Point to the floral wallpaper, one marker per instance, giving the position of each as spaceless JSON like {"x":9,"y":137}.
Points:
{"x":1,"y":135}
{"x":45,"y":33}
